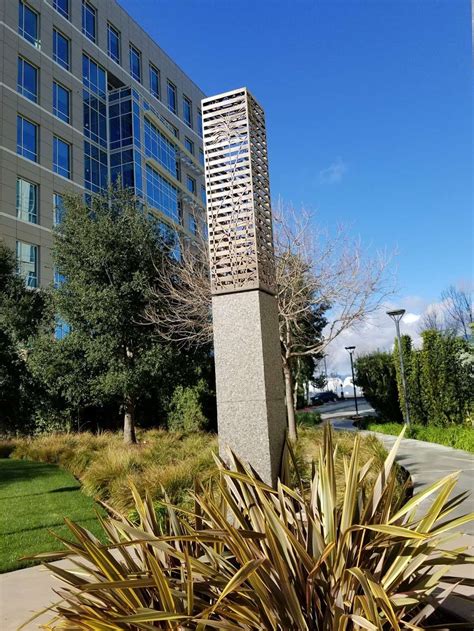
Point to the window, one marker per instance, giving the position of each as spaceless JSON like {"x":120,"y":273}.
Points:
{"x":161,"y":194}
{"x":171,"y":96}
{"x":189,"y":144}
{"x":187,"y":112}
{"x":61,"y":102}
{"x":203,"y":194}
{"x":191,"y":184}
{"x":58,"y":209}
{"x":200,"y":123}
{"x":62,"y":7}
{"x":28,"y":22}
{"x":61,"y":157}
{"x":58,"y":278}
{"x":93,"y":76}
{"x":61,"y":328}
{"x":27,"y":262}
{"x":26,"y":201}
{"x":27,"y":81}
{"x":60,"y":49}
{"x":160,"y":148}
{"x":201,"y":157}
{"x":192,"y":224}
{"x":154,"y":81}
{"x":88,"y":20}
{"x":26,"y":138}
{"x":135,"y":63}
{"x":113,"y":43}
{"x":95,"y":168}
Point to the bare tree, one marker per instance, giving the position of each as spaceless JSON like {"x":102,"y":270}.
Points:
{"x":319,"y":272}
{"x":318,"y":275}
{"x":458,"y":307}
{"x":432,"y":320}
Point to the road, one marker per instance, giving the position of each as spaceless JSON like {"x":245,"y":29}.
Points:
{"x":342,"y":408}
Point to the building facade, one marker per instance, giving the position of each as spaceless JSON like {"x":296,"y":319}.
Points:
{"x":87,"y":97}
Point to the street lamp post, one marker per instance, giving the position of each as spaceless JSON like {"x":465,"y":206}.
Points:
{"x":350,"y":350}
{"x":396,"y":316}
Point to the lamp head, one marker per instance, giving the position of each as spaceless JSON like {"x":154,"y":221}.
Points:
{"x":396,"y":313}
{"x":350,"y":348}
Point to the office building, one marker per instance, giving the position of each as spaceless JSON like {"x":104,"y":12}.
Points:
{"x":86,"y":96}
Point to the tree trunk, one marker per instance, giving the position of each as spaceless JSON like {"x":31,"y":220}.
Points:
{"x":290,"y":409}
{"x":129,"y":423}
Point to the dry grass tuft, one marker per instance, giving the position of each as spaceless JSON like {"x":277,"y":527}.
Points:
{"x":167,"y":461}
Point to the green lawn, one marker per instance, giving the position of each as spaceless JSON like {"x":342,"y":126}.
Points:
{"x":34,"y":498}
{"x":456,"y":436}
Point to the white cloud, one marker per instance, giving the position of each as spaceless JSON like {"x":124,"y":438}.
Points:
{"x":333,"y":173}
{"x":377,"y":332}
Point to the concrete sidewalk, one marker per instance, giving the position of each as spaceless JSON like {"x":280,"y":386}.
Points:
{"x":426,"y":463}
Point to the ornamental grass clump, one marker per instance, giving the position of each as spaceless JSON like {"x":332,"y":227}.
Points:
{"x":257,"y":558}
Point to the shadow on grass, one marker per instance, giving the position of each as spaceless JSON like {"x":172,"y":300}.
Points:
{"x":12,"y":471}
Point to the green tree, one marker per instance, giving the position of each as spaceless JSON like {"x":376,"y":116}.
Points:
{"x":21,"y":310}
{"x":107,"y":254}
{"x":376,"y":375}
{"x":447,"y":383}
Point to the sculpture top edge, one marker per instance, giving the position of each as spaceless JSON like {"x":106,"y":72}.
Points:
{"x":208,"y":99}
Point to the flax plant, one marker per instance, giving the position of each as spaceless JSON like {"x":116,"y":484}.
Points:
{"x":252,"y":557}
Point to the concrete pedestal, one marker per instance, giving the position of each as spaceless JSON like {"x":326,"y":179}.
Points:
{"x":249,"y":380}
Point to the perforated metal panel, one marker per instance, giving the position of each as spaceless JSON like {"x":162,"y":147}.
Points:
{"x":238,"y":193}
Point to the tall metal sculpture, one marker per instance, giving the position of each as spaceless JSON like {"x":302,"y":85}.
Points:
{"x":249,"y":381}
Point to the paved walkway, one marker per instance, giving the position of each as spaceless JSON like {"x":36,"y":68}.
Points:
{"x":426,"y":463}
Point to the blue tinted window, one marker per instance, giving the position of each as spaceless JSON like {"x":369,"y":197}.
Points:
{"x":95,"y":118}
{"x":113,"y":43}
{"x":61,"y":102}
{"x":187,"y":111}
{"x":61,"y":157}
{"x":192,"y":224}
{"x":191,"y":184}
{"x":189,"y":145}
{"x":201,"y":157}
{"x":93,"y":76}
{"x":60,"y":49}
{"x":58,"y":278}
{"x":95,"y":168}
{"x":58,"y":208}
{"x":125,"y":165}
{"x":161,"y":194}
{"x":62,"y":7}
{"x":135,"y":63}
{"x":61,"y":329}
{"x":154,"y":81}
{"x":171,"y":96}
{"x":26,"y":139}
{"x":160,"y":148}
{"x":203,"y":194}
{"x":88,"y":20}
{"x":27,"y":262}
{"x":26,"y":201}
{"x":27,"y":80}
{"x":28,"y":23}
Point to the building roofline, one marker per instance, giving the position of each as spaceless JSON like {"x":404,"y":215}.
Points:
{"x":119,"y":4}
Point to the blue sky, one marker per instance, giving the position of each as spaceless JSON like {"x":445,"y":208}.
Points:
{"x":368,"y":106}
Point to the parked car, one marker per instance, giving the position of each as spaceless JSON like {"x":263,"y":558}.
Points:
{"x":324,"y":397}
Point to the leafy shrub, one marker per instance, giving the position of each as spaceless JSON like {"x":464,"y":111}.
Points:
{"x":456,"y":436}
{"x":186,"y":410}
{"x":309,"y":419}
{"x":375,"y":374}
{"x":258,"y":558}
{"x":7,"y":446}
